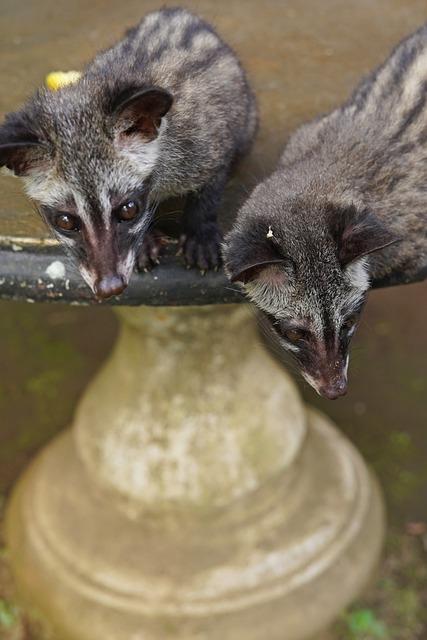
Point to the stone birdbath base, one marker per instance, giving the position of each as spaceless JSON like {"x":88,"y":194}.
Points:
{"x":194,"y":497}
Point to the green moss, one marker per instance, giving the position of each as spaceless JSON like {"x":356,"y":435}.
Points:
{"x":396,"y":608}
{"x":363,"y":623}
{"x":9,"y":615}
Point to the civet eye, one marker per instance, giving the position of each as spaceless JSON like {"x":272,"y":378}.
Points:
{"x":294,"y":335}
{"x":350,"y":322}
{"x":128,"y":211}
{"x":67,"y":222}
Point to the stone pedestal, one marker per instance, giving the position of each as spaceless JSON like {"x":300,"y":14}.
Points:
{"x":195,"y":498}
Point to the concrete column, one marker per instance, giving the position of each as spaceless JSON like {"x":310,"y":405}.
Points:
{"x":195,"y":497}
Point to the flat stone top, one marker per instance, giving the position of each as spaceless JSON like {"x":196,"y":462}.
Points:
{"x":303,"y":58}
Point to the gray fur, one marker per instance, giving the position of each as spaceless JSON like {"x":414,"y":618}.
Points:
{"x":80,"y":161}
{"x":348,"y":185}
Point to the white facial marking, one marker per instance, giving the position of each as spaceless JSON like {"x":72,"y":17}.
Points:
{"x":310,"y":381}
{"x":105,"y":203}
{"x":85,"y":215}
{"x":46,"y":187}
{"x":270,"y":299}
{"x":88,"y":276}
{"x":142,"y":156}
{"x":357,"y":273}
{"x":287,"y":345}
{"x":358,"y":277}
{"x":270,"y":291}
{"x":126,"y":266}
{"x":51,"y":191}
{"x":66,"y":240}
{"x":346,"y":365}
{"x":270,"y":233}
{"x":351,"y":331}
{"x":140,"y":226}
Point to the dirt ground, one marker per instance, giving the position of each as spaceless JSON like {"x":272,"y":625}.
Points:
{"x":48,"y":353}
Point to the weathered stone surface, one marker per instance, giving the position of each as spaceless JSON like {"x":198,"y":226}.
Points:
{"x":194,"y":498}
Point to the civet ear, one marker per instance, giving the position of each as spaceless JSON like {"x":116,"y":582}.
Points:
{"x":259,"y":271}
{"x":254,"y":256}
{"x":358,"y":233}
{"x":20,"y":148}
{"x":140,"y":111}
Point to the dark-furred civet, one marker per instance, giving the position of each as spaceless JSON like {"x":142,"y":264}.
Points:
{"x":347,"y":204}
{"x":165,"y":112}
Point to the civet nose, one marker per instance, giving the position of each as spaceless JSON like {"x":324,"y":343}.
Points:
{"x":334,"y":389}
{"x":109,"y":286}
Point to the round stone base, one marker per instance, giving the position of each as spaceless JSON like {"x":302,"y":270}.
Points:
{"x":278,"y":563}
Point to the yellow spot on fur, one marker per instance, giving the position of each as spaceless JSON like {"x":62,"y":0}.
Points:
{"x":58,"y":79}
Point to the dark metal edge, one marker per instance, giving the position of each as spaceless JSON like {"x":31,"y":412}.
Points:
{"x":24,"y":276}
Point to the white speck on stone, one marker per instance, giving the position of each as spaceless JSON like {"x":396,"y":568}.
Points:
{"x":16,"y":247}
{"x":56,"y":270}
{"x":270,"y":233}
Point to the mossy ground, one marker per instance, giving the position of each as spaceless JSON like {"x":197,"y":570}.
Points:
{"x":48,"y":354}
{"x":396,"y":607}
